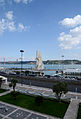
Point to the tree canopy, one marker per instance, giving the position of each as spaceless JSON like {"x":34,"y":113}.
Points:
{"x":13,"y":83}
{"x":60,"y":88}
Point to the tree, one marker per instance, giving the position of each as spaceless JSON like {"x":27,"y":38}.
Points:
{"x":38,"y":100}
{"x":17,"y":72}
{"x":27,"y":73}
{"x":60,"y":88}
{"x":13,"y":84}
{"x":1,"y":81}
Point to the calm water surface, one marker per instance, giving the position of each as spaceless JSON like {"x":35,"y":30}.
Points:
{"x":53,"y":66}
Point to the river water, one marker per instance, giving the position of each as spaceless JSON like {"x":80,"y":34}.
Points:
{"x":53,"y":66}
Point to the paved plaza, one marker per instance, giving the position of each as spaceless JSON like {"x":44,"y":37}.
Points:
{"x":8,"y":111}
{"x":46,"y":92}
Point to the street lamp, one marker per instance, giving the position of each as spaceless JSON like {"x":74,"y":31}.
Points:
{"x":21,"y":51}
{"x":62,"y":63}
{"x":62,"y":57}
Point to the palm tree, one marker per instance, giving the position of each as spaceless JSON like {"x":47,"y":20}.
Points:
{"x":13,"y":84}
{"x":1,"y":81}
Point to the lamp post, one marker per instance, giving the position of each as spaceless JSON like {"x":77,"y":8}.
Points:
{"x":62,"y":63}
{"x":21,"y":51}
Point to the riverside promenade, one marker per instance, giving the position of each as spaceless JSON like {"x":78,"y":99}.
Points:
{"x":46,"y":92}
{"x":9,"y":111}
{"x":71,"y":113}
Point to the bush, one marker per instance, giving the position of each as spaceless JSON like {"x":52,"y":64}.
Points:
{"x":10,"y":85}
{"x":38,"y":100}
{"x":14,"y":94}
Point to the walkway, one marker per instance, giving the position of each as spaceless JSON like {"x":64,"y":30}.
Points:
{"x":4,"y":93}
{"x":47,"y":92}
{"x":72,"y":110}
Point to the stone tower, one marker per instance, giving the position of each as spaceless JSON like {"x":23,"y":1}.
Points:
{"x":39,"y":62}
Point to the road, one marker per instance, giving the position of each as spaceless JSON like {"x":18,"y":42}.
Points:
{"x":48,"y":84}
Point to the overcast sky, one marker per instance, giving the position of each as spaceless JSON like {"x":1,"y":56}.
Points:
{"x":52,"y":27}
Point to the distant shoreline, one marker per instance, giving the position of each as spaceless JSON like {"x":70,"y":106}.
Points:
{"x":65,"y":62}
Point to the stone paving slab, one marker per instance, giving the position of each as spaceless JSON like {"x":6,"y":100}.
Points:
{"x":19,"y":114}
{"x":35,"y":116}
{"x":4,"y":107}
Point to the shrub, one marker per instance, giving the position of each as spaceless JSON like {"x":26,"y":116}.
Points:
{"x":14,"y":94}
{"x":38,"y":100}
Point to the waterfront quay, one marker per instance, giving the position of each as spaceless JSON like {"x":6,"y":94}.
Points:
{"x":73,"y":85}
{"x":34,"y":69}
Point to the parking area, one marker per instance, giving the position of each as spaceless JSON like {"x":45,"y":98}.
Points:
{"x":8,"y":111}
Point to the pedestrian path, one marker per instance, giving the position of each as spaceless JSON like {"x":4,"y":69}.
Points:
{"x":46,"y":92}
{"x":72,"y":110}
{"x":4,"y":93}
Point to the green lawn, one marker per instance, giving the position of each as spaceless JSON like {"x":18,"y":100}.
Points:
{"x":79,"y":112}
{"x":2,"y":90}
{"x":49,"y":107}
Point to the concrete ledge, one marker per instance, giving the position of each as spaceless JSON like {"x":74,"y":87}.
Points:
{"x":72,"y":110}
